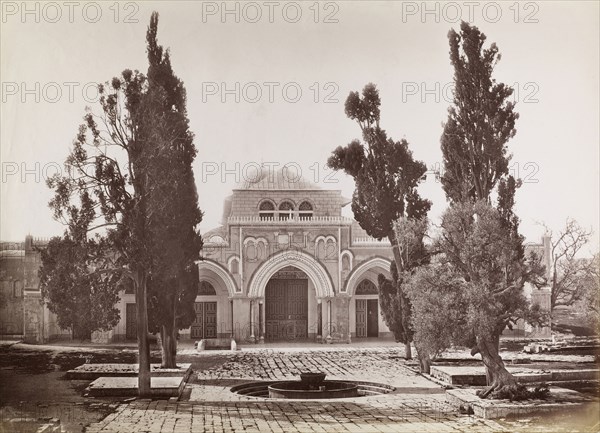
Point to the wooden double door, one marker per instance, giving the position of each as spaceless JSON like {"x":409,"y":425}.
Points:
{"x":205,"y":324}
{"x":367,"y":318}
{"x":286,"y":309}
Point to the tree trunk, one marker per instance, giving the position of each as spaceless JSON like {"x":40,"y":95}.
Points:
{"x":407,"y":351}
{"x":142,"y":335}
{"x":168,"y":355}
{"x":424,"y":359}
{"x":174,"y":332}
{"x":400,"y":268}
{"x":497,"y":375}
{"x":168,"y":335}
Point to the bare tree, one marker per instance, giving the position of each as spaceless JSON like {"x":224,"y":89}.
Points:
{"x":569,"y":273}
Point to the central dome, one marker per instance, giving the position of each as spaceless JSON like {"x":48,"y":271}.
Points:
{"x":289,"y":177}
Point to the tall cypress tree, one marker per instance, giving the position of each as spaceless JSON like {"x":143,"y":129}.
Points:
{"x":173,"y":201}
{"x":386,"y":177}
{"x":480,"y":239}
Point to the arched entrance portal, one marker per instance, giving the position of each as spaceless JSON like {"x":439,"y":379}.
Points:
{"x":286,"y":305}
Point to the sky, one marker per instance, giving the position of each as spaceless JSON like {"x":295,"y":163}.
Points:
{"x":266,"y":83}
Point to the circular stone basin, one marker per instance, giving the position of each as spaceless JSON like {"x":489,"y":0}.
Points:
{"x":260,"y":389}
{"x":327,"y":389}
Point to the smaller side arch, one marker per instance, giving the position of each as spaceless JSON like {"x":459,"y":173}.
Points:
{"x":228,"y":280}
{"x":356,"y":274}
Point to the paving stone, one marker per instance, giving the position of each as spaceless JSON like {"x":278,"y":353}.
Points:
{"x":418,"y":405}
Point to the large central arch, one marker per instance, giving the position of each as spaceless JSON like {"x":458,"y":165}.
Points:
{"x":305,"y":262}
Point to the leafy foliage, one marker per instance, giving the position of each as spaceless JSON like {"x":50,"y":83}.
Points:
{"x":384,"y":170}
{"x":174,"y":198}
{"x":439,"y":304}
{"x":482,"y":269}
{"x":395,"y":308}
{"x":129,"y":172}
{"x":393,"y":299}
{"x":480,"y":121}
{"x":82,"y":297}
{"x":386,"y":177}
{"x":591,"y":294}
{"x":487,"y":255}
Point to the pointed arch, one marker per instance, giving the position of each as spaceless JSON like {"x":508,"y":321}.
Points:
{"x":357,"y":273}
{"x":221,"y":272}
{"x":301,"y":260}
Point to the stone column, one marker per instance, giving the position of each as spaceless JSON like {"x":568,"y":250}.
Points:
{"x":252,"y":337}
{"x":329,"y":317}
{"x":261,"y":321}
{"x":231,"y":312}
{"x":319,"y":320}
{"x":348,"y":321}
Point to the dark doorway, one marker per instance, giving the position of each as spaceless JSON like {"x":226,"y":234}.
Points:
{"x":372,"y":318}
{"x":286,"y":309}
{"x":130,"y":322}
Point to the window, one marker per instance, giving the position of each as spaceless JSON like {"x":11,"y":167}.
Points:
{"x":206,"y":289}
{"x":345,"y":263}
{"x":305,"y":211}
{"x":366,"y":287}
{"x":127,"y":283}
{"x":266,"y":210}
{"x":216,"y":239}
{"x":286,"y":210}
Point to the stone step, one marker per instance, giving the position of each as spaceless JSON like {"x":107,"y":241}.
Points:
{"x":94,"y":371}
{"x":161,"y":387}
{"x":475,"y":375}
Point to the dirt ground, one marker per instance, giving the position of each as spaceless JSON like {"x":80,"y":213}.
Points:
{"x":33,"y":387}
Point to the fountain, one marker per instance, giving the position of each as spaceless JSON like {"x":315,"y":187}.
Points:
{"x":313,"y":386}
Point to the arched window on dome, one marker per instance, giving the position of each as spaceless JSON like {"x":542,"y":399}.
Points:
{"x":305,"y":211}
{"x":366,"y":287}
{"x":266,"y":210}
{"x":286,"y":210}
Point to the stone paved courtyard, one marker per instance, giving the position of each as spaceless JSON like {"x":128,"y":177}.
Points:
{"x":417,"y":405}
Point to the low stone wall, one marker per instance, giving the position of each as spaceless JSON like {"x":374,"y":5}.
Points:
{"x":216,"y":344}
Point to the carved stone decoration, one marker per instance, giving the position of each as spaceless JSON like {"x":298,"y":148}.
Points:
{"x":289,"y":273}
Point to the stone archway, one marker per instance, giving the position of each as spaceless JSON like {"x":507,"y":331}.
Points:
{"x":222,"y":273}
{"x":357,"y":273}
{"x":364,"y":317}
{"x":305,"y":262}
